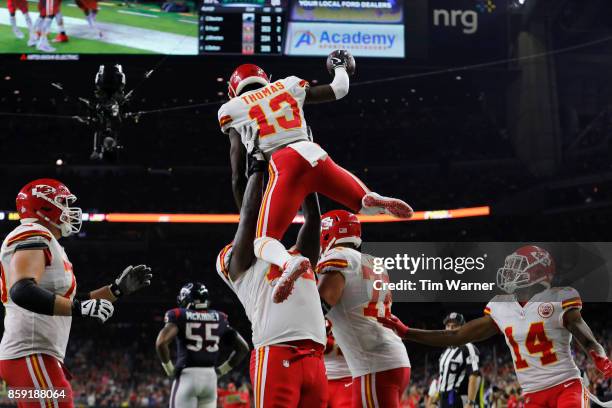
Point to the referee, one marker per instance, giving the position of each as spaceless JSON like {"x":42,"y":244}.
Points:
{"x":459,"y":371}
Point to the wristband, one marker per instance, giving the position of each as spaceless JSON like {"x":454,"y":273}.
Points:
{"x":76,"y":308}
{"x":224,"y":368}
{"x":114,"y":288}
{"x":168,"y":368}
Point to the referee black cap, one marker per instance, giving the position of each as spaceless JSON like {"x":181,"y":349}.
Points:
{"x":455,"y":318}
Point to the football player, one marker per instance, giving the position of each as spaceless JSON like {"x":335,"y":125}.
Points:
{"x":376,"y":356}
{"x":538,"y":322}
{"x":273,"y":113}
{"x":38,"y":290}
{"x":287,"y":369}
{"x":339,"y":379}
{"x":21,"y":5}
{"x":198,"y":331}
{"x":47,"y":11}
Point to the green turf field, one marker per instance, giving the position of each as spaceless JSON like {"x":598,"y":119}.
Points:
{"x":10,"y":44}
{"x":114,"y":12}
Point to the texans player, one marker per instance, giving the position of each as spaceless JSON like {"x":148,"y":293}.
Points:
{"x":339,"y":379}
{"x":38,"y":290}
{"x":198,"y":331}
{"x":538,"y":322}
{"x":273,"y":113}
{"x":287,"y":369}
{"x":376,"y":356}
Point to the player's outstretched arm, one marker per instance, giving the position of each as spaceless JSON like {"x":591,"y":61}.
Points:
{"x":29,"y":267}
{"x":341,"y":63}
{"x":308,"y":240}
{"x":573,"y":321}
{"x":164,"y":338}
{"x":238,"y":163}
{"x":132,"y":279}
{"x":242,"y":251}
{"x":240,"y":350}
{"x":473,"y":331}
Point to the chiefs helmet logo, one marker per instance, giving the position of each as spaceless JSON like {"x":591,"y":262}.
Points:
{"x":546,"y":310}
{"x":326,"y":223}
{"x":542,"y":257}
{"x":42,"y":190}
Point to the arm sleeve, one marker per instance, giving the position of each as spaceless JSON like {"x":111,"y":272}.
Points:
{"x":472,"y":358}
{"x":340,"y":84}
{"x":31,"y":238}
{"x":570,"y":299}
{"x":225,"y":119}
{"x":28,"y":295}
{"x":334,"y":261}
{"x":223,"y":260}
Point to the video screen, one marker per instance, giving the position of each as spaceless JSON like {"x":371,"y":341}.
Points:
{"x":360,"y":11}
{"x":92,"y":27}
{"x":242,"y":27}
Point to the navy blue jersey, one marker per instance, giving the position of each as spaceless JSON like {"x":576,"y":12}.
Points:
{"x":199,"y":335}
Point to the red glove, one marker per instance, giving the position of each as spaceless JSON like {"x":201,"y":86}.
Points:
{"x":394,"y":324}
{"x":603,"y":364}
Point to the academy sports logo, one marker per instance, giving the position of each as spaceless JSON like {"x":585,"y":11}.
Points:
{"x":380,"y":40}
{"x":333,"y":39}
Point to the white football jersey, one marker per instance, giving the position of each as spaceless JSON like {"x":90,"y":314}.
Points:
{"x":27,"y":332}
{"x":367,"y":345}
{"x":275,"y":110}
{"x":538,"y":341}
{"x":298,"y":318}
{"x":335,"y":363}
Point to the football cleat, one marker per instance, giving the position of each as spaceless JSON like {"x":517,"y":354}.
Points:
{"x":294,"y":268}
{"x":373,"y":203}
{"x":44,"y":46}
{"x":61,"y":38}
{"x":18,"y":33}
{"x":33,"y":40}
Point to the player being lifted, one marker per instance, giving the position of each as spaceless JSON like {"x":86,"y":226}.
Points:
{"x":38,"y":291}
{"x":287,"y":369}
{"x":198,"y":331}
{"x":538,"y":322}
{"x":297,"y":166}
{"x":376,"y":356}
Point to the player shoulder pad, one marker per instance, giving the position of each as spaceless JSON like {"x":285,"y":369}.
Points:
{"x":223,"y":260}
{"x":29,"y":236}
{"x":225,"y":119}
{"x":334,"y":259}
{"x":173,"y":315}
{"x":569,"y":298}
{"x":293,"y":81}
{"x":497,"y":301}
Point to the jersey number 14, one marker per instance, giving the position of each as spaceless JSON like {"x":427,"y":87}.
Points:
{"x":537,"y":342}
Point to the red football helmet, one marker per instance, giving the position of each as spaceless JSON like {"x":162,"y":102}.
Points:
{"x":339,"y":227}
{"x":49,"y":200}
{"x":525,"y":267}
{"x":244,"y":75}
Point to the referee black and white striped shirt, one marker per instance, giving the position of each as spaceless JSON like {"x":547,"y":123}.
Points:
{"x":456,"y":366}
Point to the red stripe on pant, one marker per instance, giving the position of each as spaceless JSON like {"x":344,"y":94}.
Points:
{"x":292,"y":178}
{"x":383,"y":389}
{"x":37,"y":371}
{"x":284,"y":376}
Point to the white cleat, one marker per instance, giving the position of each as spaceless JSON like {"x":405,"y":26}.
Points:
{"x":44,"y":46}
{"x":33,"y":40}
{"x":295,"y":267}
{"x":18,"y":33}
{"x":374,"y":203}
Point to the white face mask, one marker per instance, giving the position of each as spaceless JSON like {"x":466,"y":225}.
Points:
{"x":71,"y":218}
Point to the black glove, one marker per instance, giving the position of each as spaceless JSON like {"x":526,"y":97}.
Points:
{"x":100,"y":309}
{"x":340,"y":58}
{"x":131,"y":280}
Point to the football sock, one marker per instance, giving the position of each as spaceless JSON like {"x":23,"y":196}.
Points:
{"x":272,"y":251}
